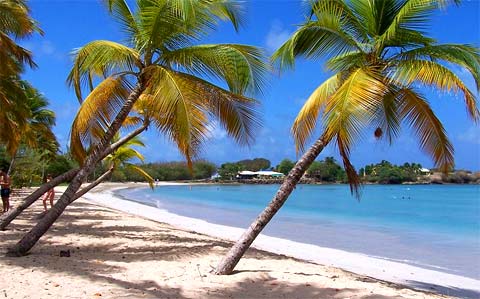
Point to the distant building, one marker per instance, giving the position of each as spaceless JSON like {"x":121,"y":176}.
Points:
{"x":424,"y":171}
{"x":269,"y":173}
{"x":215,"y":176}
{"x":246,"y":174}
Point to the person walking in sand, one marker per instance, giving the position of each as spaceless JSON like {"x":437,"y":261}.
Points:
{"x":5,"y":183}
{"x":49,"y":195}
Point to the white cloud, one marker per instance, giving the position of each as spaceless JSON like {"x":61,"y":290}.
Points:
{"x":216,"y":131}
{"x":47,"y":48}
{"x":276,"y":36}
{"x":472,"y":135}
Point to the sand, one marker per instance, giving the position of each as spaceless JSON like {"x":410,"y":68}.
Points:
{"x":114,"y":254}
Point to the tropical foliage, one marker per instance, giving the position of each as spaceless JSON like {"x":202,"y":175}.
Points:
{"x":15,"y":22}
{"x":158,"y":76}
{"x":381,"y":58}
{"x":327,"y":170}
{"x":37,"y":131}
{"x":124,"y":157}
{"x":285,"y":166}
{"x":19,"y":100}
{"x":32,"y":165}
{"x":162,"y":53}
{"x":387,"y":173}
{"x":34,"y":129}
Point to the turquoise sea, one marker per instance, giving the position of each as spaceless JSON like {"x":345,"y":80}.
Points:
{"x":430,"y":226}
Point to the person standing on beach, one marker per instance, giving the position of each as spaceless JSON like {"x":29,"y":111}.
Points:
{"x":49,"y":195}
{"x":5,"y":183}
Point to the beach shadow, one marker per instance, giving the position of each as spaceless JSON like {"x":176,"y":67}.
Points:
{"x":105,"y":262}
{"x":269,"y":287}
{"x":450,"y":291}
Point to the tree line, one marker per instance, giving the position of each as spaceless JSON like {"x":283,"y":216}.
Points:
{"x":32,"y":167}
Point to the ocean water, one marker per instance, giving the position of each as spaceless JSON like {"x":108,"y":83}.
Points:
{"x":430,"y":226}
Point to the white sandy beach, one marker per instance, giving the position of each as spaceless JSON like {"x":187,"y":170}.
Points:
{"x":117,"y":251}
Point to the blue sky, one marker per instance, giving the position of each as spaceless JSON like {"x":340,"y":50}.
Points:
{"x":70,"y":24}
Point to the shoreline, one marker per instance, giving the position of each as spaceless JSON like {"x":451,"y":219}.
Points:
{"x":377,"y":268}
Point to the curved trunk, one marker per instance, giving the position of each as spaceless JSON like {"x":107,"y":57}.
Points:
{"x":10,"y":167}
{"x":228,"y":263}
{"x":94,"y":184}
{"x":8,"y":217}
{"x":31,"y":237}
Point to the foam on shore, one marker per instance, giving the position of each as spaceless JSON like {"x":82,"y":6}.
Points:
{"x":378,"y":268}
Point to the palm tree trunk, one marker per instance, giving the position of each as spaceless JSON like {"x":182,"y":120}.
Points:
{"x":7,"y":218}
{"x":94,"y":184}
{"x":31,"y":237}
{"x":10,"y":167}
{"x":228,"y":263}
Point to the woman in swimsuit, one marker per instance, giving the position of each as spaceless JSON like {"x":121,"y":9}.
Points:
{"x":49,"y":195}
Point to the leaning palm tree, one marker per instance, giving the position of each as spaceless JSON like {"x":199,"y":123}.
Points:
{"x":7,"y":218}
{"x":159,"y":67}
{"x":121,"y":157}
{"x":381,"y":59}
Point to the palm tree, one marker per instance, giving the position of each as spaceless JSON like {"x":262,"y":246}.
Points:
{"x":381,"y":59}
{"x":36,"y":129}
{"x":7,"y":218}
{"x":158,"y":69}
{"x":15,"y":23}
{"x":120,"y":157}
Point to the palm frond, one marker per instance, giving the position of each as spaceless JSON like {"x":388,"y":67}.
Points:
{"x":15,"y":19}
{"x":175,"y":23}
{"x":228,"y":10}
{"x":132,"y":122}
{"x":433,"y":74}
{"x":143,"y":173}
{"x":407,"y":39}
{"x":101,"y":58}
{"x":350,"y":21}
{"x":315,"y":39}
{"x":122,"y":13}
{"x":123,"y":155}
{"x":175,"y":113}
{"x":241,"y":66}
{"x":96,"y":113}
{"x":413,"y":15}
{"x":375,"y":16}
{"x":430,"y":131}
{"x":306,"y":120}
{"x":13,"y":100}
{"x":135,"y":141}
{"x":237,"y":114}
{"x":349,"y":110}
{"x":183,"y":105}
{"x":387,"y":116}
{"x":347,"y":61}
{"x":13,"y":54}
{"x":465,"y":56}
